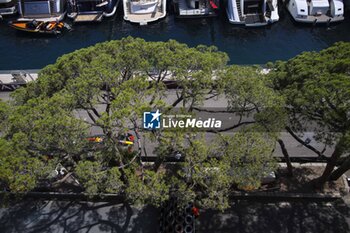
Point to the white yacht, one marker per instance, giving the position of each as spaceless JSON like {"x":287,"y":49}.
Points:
{"x":43,"y":10}
{"x":8,"y":7}
{"x":196,"y":8}
{"x":144,"y":11}
{"x":316,"y":11}
{"x":252,"y":13}
{"x":91,"y":10}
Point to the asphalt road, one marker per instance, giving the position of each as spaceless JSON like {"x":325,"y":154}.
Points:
{"x":295,"y":149}
{"x":244,"y":217}
{"x":279,"y":217}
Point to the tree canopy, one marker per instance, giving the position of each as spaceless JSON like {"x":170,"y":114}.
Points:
{"x":82,"y":109}
{"x":316,"y":86}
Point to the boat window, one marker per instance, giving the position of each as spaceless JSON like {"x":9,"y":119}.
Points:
{"x":36,"y":8}
{"x":302,"y":10}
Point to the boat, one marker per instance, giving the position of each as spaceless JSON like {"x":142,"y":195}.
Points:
{"x":252,"y":13}
{"x":91,"y":10}
{"x":144,"y":11}
{"x":8,"y":7}
{"x":316,"y":11}
{"x":196,"y":8}
{"x":41,"y":10}
{"x":40,"y":27}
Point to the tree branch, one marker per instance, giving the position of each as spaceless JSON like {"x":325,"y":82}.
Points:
{"x":320,"y":154}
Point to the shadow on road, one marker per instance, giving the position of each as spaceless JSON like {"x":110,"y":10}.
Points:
{"x":243,"y":217}
{"x":62,"y":216}
{"x":279,"y":217}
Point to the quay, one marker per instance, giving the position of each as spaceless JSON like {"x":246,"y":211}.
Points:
{"x":11,"y":80}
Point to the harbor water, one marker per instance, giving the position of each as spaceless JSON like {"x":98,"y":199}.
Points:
{"x":280,"y":41}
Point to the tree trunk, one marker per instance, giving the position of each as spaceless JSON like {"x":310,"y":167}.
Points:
{"x":286,"y":157}
{"x":320,"y":181}
{"x":340,"y":170}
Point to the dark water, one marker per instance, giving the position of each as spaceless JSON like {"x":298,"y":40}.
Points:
{"x":280,"y":41}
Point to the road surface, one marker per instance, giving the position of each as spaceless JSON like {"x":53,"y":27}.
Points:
{"x":295,"y":149}
{"x":244,"y":217}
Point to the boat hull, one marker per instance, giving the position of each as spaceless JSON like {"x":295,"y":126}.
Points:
{"x":300,"y":12}
{"x":319,"y":21}
{"x":49,"y":28}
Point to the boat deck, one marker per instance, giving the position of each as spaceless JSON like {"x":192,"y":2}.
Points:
{"x":254,"y":19}
{"x":88,"y":18}
{"x":204,"y":9}
{"x":143,"y":19}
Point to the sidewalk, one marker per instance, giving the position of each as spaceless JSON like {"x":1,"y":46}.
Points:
{"x":10,"y":80}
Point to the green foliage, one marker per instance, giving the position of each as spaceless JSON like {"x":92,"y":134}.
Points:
{"x":46,"y":127}
{"x":200,"y":177}
{"x":97,"y":179}
{"x":248,"y":95}
{"x":146,"y":187}
{"x":250,"y":154}
{"x":317,"y":87}
{"x":18,"y":171}
{"x":109,"y":84}
{"x":5,"y":112}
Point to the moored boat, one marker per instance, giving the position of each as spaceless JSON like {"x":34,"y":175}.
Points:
{"x":316,"y":11}
{"x":144,"y":11}
{"x":252,"y":13}
{"x":196,"y":8}
{"x":91,"y":10}
{"x":40,"y":27}
{"x":41,"y":10}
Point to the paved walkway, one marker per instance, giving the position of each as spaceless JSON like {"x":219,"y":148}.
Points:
{"x":243,"y":217}
{"x":280,"y":217}
{"x":79,"y":217}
